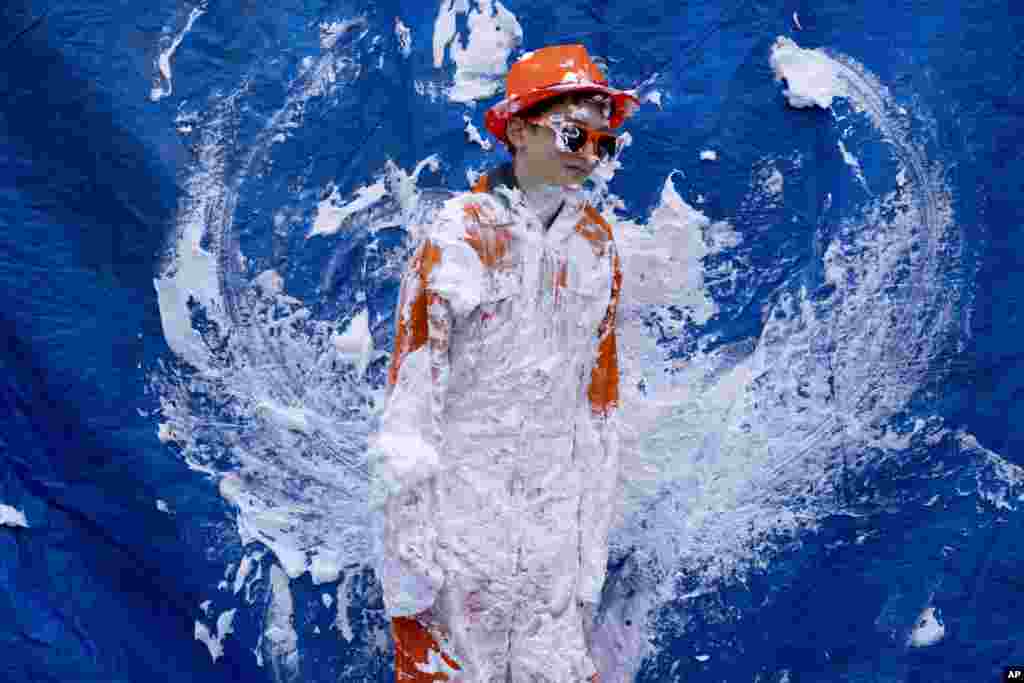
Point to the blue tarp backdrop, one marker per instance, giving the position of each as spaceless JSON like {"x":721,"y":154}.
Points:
{"x":205,"y":207}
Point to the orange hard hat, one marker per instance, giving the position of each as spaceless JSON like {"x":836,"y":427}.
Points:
{"x":550,"y":72}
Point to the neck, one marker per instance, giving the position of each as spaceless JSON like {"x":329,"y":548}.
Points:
{"x":543,"y":198}
{"x":527,"y":181}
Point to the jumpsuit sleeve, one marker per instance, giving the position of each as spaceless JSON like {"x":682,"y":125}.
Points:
{"x":439,"y":326}
{"x":600,"y":452}
{"x":411,"y":576}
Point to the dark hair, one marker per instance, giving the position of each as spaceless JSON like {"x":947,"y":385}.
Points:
{"x":544,"y":106}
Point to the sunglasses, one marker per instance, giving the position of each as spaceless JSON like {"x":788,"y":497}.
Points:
{"x":573,"y":137}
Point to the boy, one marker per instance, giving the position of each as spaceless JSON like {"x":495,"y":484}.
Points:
{"x":495,"y":562}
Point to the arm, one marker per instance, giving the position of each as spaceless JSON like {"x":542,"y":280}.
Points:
{"x":411,"y":577}
{"x":439,"y":326}
{"x":600,"y":452}
{"x":601,"y":463}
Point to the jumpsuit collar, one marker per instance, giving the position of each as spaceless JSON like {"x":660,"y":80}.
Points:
{"x":505,"y":175}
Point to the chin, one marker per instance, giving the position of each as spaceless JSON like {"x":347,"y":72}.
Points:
{"x":575,"y":177}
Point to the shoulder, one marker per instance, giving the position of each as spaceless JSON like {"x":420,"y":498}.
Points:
{"x":468,"y":209}
{"x":598,"y":232}
{"x":596,"y":227}
{"x":469,"y":243}
{"x":476,"y":220}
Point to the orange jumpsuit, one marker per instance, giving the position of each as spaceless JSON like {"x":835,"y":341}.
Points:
{"x":503,"y":535}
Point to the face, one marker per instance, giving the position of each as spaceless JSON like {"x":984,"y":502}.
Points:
{"x":538,"y":157}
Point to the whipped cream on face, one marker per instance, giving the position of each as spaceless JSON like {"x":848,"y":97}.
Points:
{"x":546,"y":200}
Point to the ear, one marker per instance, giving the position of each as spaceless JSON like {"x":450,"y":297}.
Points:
{"x":516,"y":132}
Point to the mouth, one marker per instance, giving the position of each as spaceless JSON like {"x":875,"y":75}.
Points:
{"x":577,"y":167}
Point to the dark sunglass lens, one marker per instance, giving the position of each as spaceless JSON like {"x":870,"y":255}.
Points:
{"x":574,"y":138}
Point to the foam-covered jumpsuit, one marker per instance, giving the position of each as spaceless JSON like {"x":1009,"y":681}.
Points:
{"x":505,"y":539}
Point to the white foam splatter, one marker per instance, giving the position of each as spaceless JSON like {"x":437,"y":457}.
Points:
{"x":313,"y":433}
{"x":662,"y":260}
{"x":245,"y":577}
{"x":473,"y":135}
{"x":720,"y":445}
{"x":404,"y":36}
{"x":772,"y":181}
{"x":494,"y":33}
{"x":214,"y":640}
{"x":737,"y":443}
{"x":392,"y":181}
{"x":341,"y":620}
{"x":267,"y":388}
{"x":331,"y":31}
{"x":263,"y":521}
{"x":444,"y":27}
{"x":162,"y":80}
{"x":280,"y":643}
{"x":928,"y":629}
{"x":12,"y":517}
{"x":330,"y":216}
{"x":355,"y":344}
{"x":811,"y":75}
{"x":473,"y":176}
{"x":853,"y":163}
{"x":186,"y":120}
{"x":709,"y":155}
{"x":644,"y":91}
{"x":326,"y":565}
{"x":997,"y":481}
{"x":431,"y":90}
{"x":165,"y":432}
{"x":190,"y":277}
{"x":654,"y":97}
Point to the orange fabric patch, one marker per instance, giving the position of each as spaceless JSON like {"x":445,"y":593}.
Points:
{"x":411,"y":333}
{"x":482,"y":184}
{"x":490,"y":242}
{"x":413,"y":644}
{"x":604,"y":378}
{"x":474,"y":213}
{"x":594,"y":228}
